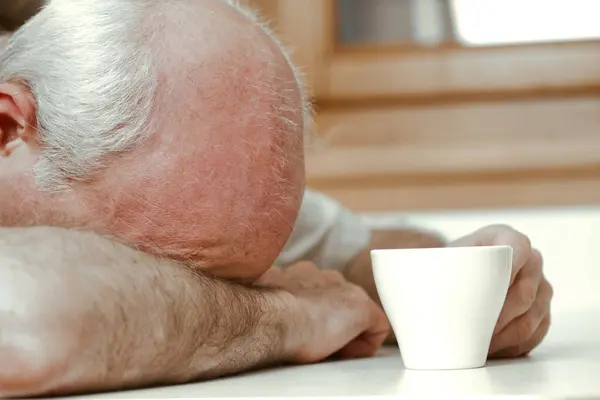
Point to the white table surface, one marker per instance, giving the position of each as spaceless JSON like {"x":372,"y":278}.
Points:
{"x":566,"y":365}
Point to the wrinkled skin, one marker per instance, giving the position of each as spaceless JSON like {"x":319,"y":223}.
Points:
{"x":229,"y":169}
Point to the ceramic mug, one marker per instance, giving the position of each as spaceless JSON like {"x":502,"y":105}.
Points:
{"x":443,"y":303}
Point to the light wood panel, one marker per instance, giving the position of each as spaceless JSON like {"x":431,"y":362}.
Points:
{"x":542,"y":152}
{"x":463,"y":138}
{"x":348,"y":164}
{"x":484,"y":121}
{"x":268,"y":9}
{"x":302,"y":26}
{"x":505,"y":69}
{"x":450,"y":127}
{"x":535,"y":191}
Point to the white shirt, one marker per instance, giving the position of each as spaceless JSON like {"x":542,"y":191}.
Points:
{"x":326,"y":233}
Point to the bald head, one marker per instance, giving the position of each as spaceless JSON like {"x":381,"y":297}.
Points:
{"x":179,"y":132}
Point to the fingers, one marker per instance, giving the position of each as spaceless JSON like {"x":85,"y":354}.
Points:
{"x":269,"y":278}
{"x":303,"y":275}
{"x":371,"y":340}
{"x":504,"y":235}
{"x":522,"y":292}
{"x":300,"y":269}
{"x":524,"y":348}
{"x":297,"y":272}
{"x":522,"y":251}
{"x":333,"y":277}
{"x":526,"y":331}
{"x":525,"y":317}
{"x":507,"y":236}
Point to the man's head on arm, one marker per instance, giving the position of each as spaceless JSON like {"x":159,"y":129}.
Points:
{"x":177,"y":130}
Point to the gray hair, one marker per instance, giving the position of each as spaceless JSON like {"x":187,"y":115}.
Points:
{"x":94,"y":81}
{"x":93,"y":73}
{"x":307,"y":106}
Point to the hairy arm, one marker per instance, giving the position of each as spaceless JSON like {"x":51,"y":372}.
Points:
{"x":81,"y":313}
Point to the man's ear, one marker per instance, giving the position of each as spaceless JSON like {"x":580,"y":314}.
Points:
{"x":17,"y":118}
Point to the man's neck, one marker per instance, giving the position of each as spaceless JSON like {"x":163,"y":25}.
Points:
{"x":22,"y":204}
{"x":17,"y":205}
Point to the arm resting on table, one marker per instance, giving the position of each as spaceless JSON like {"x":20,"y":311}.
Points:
{"x":81,"y":313}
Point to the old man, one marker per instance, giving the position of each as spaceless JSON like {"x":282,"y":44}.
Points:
{"x":152,"y":173}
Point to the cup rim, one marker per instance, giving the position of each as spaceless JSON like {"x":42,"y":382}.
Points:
{"x":441,"y":249}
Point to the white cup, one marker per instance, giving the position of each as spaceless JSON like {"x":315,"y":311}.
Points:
{"x":443,"y":303}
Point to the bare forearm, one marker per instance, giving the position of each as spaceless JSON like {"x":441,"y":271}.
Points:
{"x":177,"y":326}
{"x":132,"y":320}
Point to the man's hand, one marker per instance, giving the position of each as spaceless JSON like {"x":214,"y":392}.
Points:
{"x":337,"y":317}
{"x":525,"y":317}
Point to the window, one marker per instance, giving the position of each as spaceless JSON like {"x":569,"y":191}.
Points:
{"x":496,"y":22}
{"x":468,"y":22}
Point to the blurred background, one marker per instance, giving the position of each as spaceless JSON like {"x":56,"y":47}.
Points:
{"x":432,"y":105}
{"x":454,"y":114}
{"x":450,"y":104}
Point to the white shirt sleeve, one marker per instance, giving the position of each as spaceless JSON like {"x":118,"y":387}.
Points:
{"x":326,"y":233}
